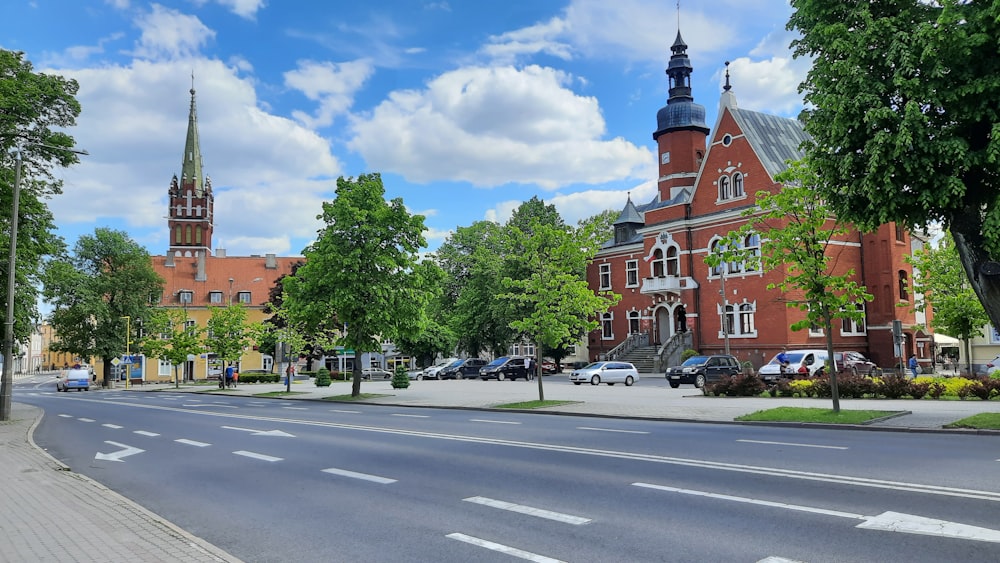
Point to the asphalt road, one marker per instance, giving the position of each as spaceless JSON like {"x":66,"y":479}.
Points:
{"x":272,"y":480}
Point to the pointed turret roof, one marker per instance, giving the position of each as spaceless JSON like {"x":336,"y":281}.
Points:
{"x":630,"y":214}
{"x":680,"y":113}
{"x":191,"y":169}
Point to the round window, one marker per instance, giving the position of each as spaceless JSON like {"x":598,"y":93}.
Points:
{"x":727,"y":139}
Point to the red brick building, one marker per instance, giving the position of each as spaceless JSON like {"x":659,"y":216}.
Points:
{"x":707,"y":178}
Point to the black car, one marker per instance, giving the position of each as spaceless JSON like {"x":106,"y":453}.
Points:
{"x":462,"y":369}
{"x":700,"y":370}
{"x":504,"y":367}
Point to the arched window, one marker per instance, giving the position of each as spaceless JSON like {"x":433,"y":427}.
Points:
{"x":657,"y":264}
{"x":747,"y":325}
{"x":738,"y":184}
{"x":197,"y":235}
{"x":177,"y":234}
{"x":724,"y":192}
{"x":729,"y":320}
{"x":607,"y":332}
{"x":187,"y":235}
{"x":673,"y":261}
{"x":713,"y":248}
{"x":904,"y":293}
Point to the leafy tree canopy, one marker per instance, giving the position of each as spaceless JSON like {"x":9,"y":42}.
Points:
{"x":904,"y":120}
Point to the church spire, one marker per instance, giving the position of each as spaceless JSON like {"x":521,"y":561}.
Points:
{"x":191,"y":169}
{"x":680,"y":112}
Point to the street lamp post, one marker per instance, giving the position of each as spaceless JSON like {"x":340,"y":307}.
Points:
{"x":128,"y":352}
{"x":725,"y":307}
{"x":7,"y":378}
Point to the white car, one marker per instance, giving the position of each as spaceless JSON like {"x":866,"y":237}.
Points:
{"x":801,"y":363}
{"x":432,"y":372}
{"x":605,"y":372}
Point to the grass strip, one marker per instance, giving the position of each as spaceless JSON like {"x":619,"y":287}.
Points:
{"x":801,"y":414}
{"x":534,"y":404}
{"x":984,"y":420}
{"x":360,"y":397}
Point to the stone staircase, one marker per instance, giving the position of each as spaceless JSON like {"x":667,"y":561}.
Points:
{"x":643,"y":358}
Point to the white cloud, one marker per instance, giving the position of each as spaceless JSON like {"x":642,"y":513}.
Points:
{"x":493,"y":126}
{"x":532,"y":40}
{"x":243,"y":8}
{"x":333,"y":85}
{"x":169,"y":34}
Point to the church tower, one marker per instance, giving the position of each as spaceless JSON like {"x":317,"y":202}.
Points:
{"x":191,"y":207}
{"x":681,"y":131}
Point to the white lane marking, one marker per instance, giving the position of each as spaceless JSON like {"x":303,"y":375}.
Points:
{"x":86,"y":419}
{"x":261,"y":457}
{"x":775,"y":559}
{"x":191,"y":442}
{"x":887,"y":521}
{"x":411,"y":415}
{"x":529,"y":510}
{"x":71,"y":416}
{"x":256,"y":432}
{"x":611,"y":430}
{"x":493,"y":421}
{"x":752,"y":501}
{"x":117,"y":456}
{"x":145,"y":433}
{"x":115,"y":426}
{"x":772,"y":472}
{"x":793,"y":444}
{"x":296,"y":408}
{"x":359,"y":412}
{"x":258,"y":403}
{"x":505,"y":549}
{"x":355,"y":475}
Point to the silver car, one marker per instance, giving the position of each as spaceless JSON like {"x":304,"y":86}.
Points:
{"x":605,"y":372}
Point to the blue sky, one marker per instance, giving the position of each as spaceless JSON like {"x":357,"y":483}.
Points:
{"x":466,"y":107}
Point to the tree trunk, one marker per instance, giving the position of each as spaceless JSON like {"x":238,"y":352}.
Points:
{"x":982,"y":271}
{"x":356,"y":377}
{"x":832,"y":365}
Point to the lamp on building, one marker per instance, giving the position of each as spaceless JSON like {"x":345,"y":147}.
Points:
{"x":7,"y":379}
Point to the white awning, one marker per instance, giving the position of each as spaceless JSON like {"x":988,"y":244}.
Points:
{"x":945,"y":340}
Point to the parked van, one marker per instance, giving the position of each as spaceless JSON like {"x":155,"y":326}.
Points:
{"x":801,"y":363}
{"x":74,"y":378}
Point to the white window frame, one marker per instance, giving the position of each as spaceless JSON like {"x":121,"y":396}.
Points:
{"x":851,"y":327}
{"x":738,"y":189}
{"x":608,"y":326}
{"x":637,"y":318}
{"x":215,"y":297}
{"x":605,"y":276}
{"x":736,"y":313}
{"x":243,"y":297}
{"x":186,"y":297}
{"x":631,"y":273}
{"x":163,"y":367}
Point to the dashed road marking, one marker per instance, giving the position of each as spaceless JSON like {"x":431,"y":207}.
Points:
{"x":411,"y":415}
{"x":86,"y":419}
{"x":114,"y":426}
{"x":493,"y":421}
{"x":145,"y":433}
{"x":192,"y":442}
{"x":356,"y":475}
{"x":66,"y":416}
{"x":793,"y":444}
{"x":505,"y":549}
{"x":359,"y":412}
{"x":529,"y":510}
{"x":296,"y":408}
{"x":253,"y":455}
{"x":611,"y":430}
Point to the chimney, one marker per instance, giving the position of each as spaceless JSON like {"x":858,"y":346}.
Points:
{"x":169,"y":262}
{"x":200,"y":276}
{"x":270,"y":262}
{"x":220,"y":252}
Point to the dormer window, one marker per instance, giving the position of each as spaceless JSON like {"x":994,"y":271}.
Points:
{"x":243,"y":297}
{"x":185,"y":297}
{"x":215,"y":297}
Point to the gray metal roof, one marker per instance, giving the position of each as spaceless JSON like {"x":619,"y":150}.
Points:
{"x":774,"y":139}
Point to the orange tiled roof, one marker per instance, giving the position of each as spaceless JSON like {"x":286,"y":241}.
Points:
{"x":253,"y":274}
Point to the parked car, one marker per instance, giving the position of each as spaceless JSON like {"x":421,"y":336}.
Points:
{"x":993,"y":365}
{"x":417,"y":374}
{"x":605,"y":372}
{"x":801,"y":363}
{"x":504,"y":367}
{"x":375,"y":373}
{"x":74,"y":378}
{"x":432,"y":372}
{"x":854,"y":363}
{"x":549,"y":367}
{"x":462,"y":369}
{"x":700,"y":370}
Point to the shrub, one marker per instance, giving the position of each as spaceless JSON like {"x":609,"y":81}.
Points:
{"x":747,"y":367}
{"x":981,"y":390}
{"x":855,"y":386}
{"x":919,"y":388}
{"x":893,"y":386}
{"x":803,"y":387}
{"x":687,"y":354}
{"x":740,"y":385}
{"x":323,"y":377}
{"x":399,"y":378}
{"x":936,"y":390}
{"x":784,"y":388}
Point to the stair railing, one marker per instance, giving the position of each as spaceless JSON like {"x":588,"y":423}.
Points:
{"x":670,"y":352}
{"x":631,"y":342}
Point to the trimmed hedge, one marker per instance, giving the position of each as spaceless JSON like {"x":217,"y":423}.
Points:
{"x":860,"y":387}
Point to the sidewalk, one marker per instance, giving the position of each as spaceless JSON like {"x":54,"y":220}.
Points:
{"x":44,"y":501}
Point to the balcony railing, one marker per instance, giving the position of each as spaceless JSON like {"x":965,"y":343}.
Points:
{"x":631,"y":342}
{"x":662,"y":284}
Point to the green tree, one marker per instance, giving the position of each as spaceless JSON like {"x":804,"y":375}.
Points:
{"x":472,"y":259}
{"x":36,"y":110}
{"x":108,"y":278}
{"x":904,"y":122}
{"x":434,"y":337}
{"x":168,"y":336}
{"x":360,"y":269}
{"x":796,"y":231}
{"x":938,"y":274}
{"x":559,"y":307}
{"x":229,"y":333}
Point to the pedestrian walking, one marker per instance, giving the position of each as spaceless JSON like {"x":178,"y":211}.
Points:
{"x":913,"y":365}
